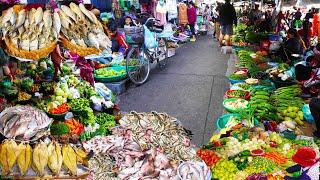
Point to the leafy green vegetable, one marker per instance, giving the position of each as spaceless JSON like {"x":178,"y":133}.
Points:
{"x":238,"y":76}
{"x":86,"y":135}
{"x":103,"y":118}
{"x":59,"y":129}
{"x":79,"y":104}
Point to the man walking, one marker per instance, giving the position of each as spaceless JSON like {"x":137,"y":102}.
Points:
{"x":228,"y":17}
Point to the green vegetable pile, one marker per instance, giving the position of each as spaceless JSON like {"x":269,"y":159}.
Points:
{"x":79,"y":104}
{"x":27,"y":83}
{"x":238,"y":76}
{"x":105,"y":72}
{"x":244,"y":86}
{"x":260,"y":164}
{"x":241,"y":159}
{"x":86,"y":135}
{"x":237,"y":94}
{"x":81,"y":108}
{"x":224,"y":170}
{"x":59,"y":129}
{"x":105,"y":120}
{"x":86,"y":90}
{"x":287,"y":96}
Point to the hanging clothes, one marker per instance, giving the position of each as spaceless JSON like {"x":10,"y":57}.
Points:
{"x":172,"y":9}
{"x":183,"y":16}
{"x":315,"y":24}
{"x":161,"y":12}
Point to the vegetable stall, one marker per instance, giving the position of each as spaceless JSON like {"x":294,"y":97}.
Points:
{"x":267,"y":124}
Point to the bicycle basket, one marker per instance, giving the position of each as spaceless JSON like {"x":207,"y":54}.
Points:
{"x":134,"y":35}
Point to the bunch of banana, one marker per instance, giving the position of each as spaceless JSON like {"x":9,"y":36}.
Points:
{"x":69,"y":159}
{"x":55,"y":157}
{"x":287,"y":96}
{"x":24,"y":158}
{"x":8,"y":155}
{"x":81,"y":156}
{"x":40,"y":158}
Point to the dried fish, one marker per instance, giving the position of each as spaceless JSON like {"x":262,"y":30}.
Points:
{"x":68,"y":12}
{"x":56,"y":22}
{"x":47,"y":19}
{"x":7,"y":17}
{"x":75,"y":8}
{"x":21,"y":18}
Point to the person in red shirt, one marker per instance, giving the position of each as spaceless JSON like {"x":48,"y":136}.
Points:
{"x":119,"y":43}
{"x":192,"y":18}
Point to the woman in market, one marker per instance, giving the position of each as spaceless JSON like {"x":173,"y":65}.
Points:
{"x":192,"y":18}
{"x":119,"y":44}
{"x":293,"y":45}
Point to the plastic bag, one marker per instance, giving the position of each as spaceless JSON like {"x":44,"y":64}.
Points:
{"x":307,"y":113}
{"x":149,"y":39}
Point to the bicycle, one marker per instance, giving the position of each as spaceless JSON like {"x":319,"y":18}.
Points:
{"x":139,"y":58}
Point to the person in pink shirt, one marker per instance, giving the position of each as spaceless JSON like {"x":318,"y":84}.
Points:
{"x":192,"y":18}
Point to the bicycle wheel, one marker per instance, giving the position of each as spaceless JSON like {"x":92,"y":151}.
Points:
{"x":137,"y":65}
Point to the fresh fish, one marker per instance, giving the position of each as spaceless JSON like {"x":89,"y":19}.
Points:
{"x":75,"y":8}
{"x":23,"y":122}
{"x":68,"y":12}
{"x":93,"y":42}
{"x":56,"y":22}
{"x":7,"y":16}
{"x":38,"y":15}
{"x":21,"y":18}
{"x":65,"y":21}
{"x":47,"y":19}
{"x":86,"y":12}
{"x":33,"y":44}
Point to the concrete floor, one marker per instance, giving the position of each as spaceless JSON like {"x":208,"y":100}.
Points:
{"x":190,"y":88}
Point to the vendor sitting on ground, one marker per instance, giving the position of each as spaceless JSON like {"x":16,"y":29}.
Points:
{"x":293,"y":45}
{"x":119,"y":44}
{"x":315,"y":111}
{"x":308,"y":73}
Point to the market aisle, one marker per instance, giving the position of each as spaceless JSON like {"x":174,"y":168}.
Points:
{"x":191,"y":88}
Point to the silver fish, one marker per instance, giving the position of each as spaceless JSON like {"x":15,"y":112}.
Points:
{"x":7,"y":16}
{"x":56,"y":22}
{"x":86,"y":12}
{"x":75,"y":8}
{"x":68,"y":12}
{"x":47,"y":19}
{"x":21,"y":18}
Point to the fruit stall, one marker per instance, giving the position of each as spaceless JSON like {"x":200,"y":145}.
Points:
{"x":266,"y":132}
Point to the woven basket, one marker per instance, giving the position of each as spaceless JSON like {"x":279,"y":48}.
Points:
{"x":82,"y":51}
{"x":34,"y":54}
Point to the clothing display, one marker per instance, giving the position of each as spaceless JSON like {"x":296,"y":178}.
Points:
{"x":161,"y":12}
{"x":183,"y":16}
{"x":172,"y":9}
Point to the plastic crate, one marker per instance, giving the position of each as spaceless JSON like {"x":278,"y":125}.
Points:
{"x":118,"y":87}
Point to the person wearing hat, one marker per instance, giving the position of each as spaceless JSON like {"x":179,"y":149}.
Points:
{"x":307,"y":165}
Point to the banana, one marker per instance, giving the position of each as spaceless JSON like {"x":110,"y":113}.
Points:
{"x":69,"y":159}
{"x":55,"y":158}
{"x":8,"y":156}
{"x":81,"y":155}
{"x":40,"y":158}
{"x":24,"y":158}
